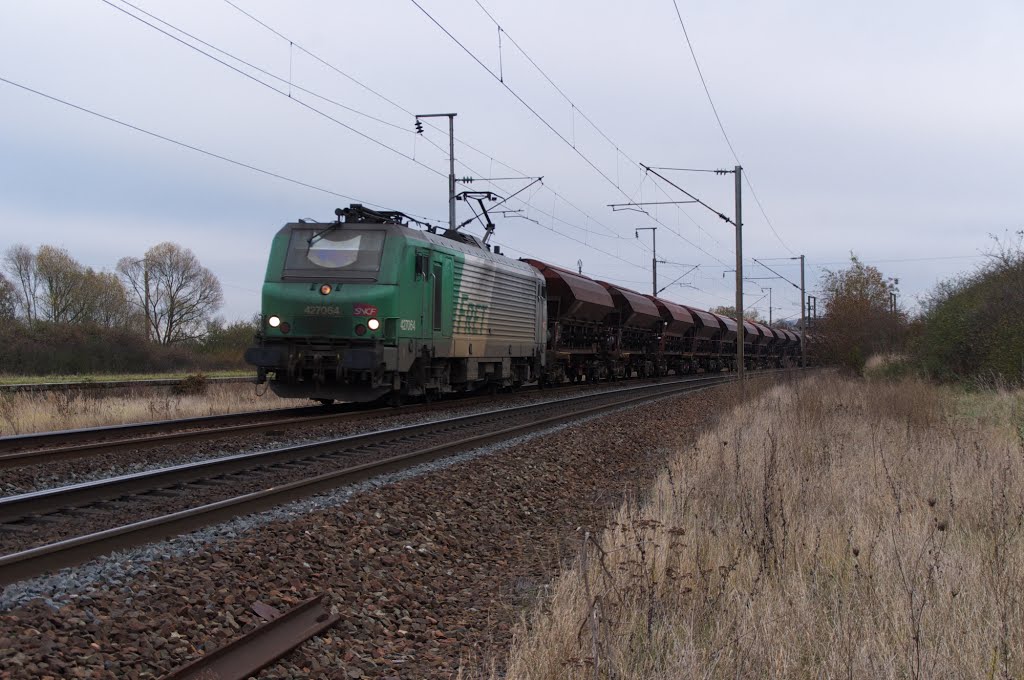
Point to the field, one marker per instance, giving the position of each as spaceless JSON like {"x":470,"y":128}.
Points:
{"x":831,"y":528}
{"x":24,"y":412}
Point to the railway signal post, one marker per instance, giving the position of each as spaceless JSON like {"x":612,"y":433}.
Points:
{"x":451,"y":158}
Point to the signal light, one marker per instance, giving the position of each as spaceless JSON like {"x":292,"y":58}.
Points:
{"x":374,"y":324}
{"x":360,"y":329}
{"x":285,"y":327}
{"x":325,"y":289}
{"x":419,"y":127}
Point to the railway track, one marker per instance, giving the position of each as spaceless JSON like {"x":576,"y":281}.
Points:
{"x":47,"y":447}
{"x":72,"y":524}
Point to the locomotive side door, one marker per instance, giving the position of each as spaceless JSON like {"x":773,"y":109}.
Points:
{"x":424,"y":288}
{"x":442,"y":296}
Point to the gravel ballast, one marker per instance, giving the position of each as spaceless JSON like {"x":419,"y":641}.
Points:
{"x":429,"y":571}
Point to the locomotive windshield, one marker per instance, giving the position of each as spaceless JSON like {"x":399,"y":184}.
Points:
{"x":312,"y":252}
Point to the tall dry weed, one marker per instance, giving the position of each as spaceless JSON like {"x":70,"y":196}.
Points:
{"x":24,"y":412}
{"x":828,"y":528}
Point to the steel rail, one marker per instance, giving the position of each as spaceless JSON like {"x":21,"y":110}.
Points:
{"x":21,"y":450}
{"x":47,"y":501}
{"x":36,"y":440}
{"x":245,"y":656}
{"x":72,"y":551}
{"x":153,"y":434}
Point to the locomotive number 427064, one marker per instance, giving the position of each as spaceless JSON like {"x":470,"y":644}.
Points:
{"x":322,"y":310}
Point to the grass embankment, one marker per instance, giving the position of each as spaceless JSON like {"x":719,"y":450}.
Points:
{"x":829,"y":528}
{"x":24,"y":412}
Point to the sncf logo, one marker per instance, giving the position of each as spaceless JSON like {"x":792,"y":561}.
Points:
{"x":361,"y":309}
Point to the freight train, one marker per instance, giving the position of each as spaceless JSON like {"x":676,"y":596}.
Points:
{"x":368,"y":307}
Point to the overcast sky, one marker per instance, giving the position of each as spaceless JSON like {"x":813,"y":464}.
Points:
{"x":892,"y":130}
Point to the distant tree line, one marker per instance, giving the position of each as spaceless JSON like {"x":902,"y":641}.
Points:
{"x":970,"y":329}
{"x":750,"y":314}
{"x":973,"y":325}
{"x":154,"y":312}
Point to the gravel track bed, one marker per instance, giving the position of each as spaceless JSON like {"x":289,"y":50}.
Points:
{"x":430,"y":570}
{"x":60,"y":473}
{"x":62,"y":526}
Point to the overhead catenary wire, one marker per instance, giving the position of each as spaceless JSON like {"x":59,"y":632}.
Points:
{"x":250,"y":76}
{"x":930,"y":258}
{"x":195,"y":148}
{"x":289,"y":81}
{"x":242,"y":164}
{"x":721,"y":127}
{"x":547,"y":124}
{"x":902,"y":259}
{"x":584,"y":243}
{"x":258,"y":169}
{"x":427,"y":123}
{"x":576,"y":109}
{"x":776,"y":273}
{"x":263,"y":83}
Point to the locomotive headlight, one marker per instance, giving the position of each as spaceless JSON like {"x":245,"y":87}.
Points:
{"x":374,"y":324}
{"x":273,"y":321}
{"x":325,"y":289}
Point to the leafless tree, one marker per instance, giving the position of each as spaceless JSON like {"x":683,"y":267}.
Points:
{"x":65,"y":295}
{"x":1006,"y":251}
{"x":175,"y":293}
{"x":108,"y":299}
{"x":8,"y":299}
{"x":20,"y":263}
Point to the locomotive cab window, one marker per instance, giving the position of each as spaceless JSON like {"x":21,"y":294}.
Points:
{"x":337,"y":251}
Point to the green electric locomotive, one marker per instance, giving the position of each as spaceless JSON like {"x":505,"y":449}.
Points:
{"x":367,"y":307}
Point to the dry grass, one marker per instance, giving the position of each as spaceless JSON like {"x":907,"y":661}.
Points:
{"x":24,"y":412}
{"x":10,"y":379}
{"x":877,"y":363}
{"x":830,"y":528}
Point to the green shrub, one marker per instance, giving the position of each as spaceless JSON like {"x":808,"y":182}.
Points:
{"x":974,"y":325}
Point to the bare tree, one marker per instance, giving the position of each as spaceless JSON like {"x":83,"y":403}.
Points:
{"x":8,"y":299}
{"x":107,"y":299}
{"x":65,"y":295}
{"x":175,"y":292}
{"x":20,"y":263}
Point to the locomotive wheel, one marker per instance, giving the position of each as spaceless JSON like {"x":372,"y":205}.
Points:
{"x":396,"y":399}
